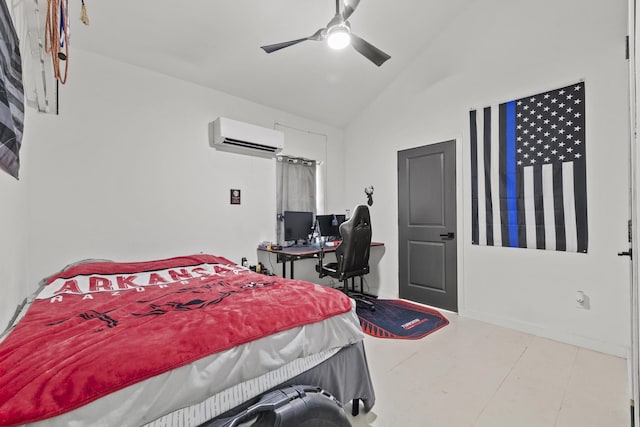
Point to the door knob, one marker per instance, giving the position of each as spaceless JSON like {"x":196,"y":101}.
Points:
{"x":626,"y":253}
{"x":447,"y":236}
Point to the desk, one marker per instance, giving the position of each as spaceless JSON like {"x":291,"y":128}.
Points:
{"x":292,"y":253}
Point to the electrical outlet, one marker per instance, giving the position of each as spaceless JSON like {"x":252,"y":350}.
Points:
{"x":582,"y":300}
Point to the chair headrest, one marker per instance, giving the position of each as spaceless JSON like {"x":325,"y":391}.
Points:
{"x":361,"y":215}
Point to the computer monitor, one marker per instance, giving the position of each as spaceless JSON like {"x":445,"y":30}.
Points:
{"x":297,"y":225}
{"x":330,"y":225}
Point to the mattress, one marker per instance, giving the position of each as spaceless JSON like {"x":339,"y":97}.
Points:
{"x":345,"y":377}
{"x":227,"y":335}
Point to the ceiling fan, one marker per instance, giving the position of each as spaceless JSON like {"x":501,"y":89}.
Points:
{"x":338,"y":35}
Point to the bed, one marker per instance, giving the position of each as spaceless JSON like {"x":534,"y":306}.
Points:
{"x":178,"y":341}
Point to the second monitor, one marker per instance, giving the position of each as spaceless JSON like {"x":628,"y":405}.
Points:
{"x":329,"y":225}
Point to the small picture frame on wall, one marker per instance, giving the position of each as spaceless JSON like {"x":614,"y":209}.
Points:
{"x":235,"y":197}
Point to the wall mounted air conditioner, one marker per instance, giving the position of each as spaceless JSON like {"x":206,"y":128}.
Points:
{"x":245,"y":138}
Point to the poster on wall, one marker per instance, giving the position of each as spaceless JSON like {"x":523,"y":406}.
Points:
{"x":528,"y":172}
{"x":235,"y":196}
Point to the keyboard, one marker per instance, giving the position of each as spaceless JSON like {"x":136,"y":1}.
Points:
{"x":312,"y":246}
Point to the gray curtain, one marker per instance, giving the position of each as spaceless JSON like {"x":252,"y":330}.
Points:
{"x":296,"y":187}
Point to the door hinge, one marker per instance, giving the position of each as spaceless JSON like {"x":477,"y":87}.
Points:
{"x":627,"y":48}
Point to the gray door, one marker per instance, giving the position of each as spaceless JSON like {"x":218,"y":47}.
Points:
{"x":427,"y":225}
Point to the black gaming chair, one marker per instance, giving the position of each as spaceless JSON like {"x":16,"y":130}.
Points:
{"x":352,"y":255}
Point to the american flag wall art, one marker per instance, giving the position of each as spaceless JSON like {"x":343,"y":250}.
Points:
{"x":11,"y":95}
{"x":528,"y":172}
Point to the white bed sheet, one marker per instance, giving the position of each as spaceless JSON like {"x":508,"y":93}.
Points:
{"x":219,"y":403}
{"x":282,"y":354}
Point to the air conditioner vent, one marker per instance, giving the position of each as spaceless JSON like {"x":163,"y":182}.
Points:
{"x":245,"y":138}
{"x":250,"y":145}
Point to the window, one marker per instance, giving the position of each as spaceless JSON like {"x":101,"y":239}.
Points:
{"x":300,"y":174}
{"x":295,"y":187}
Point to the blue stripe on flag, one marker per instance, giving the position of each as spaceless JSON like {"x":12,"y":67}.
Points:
{"x":512,"y":207}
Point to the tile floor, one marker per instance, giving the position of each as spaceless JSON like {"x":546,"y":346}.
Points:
{"x":471,"y":373}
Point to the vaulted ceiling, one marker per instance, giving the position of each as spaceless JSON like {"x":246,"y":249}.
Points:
{"x":216,"y":44}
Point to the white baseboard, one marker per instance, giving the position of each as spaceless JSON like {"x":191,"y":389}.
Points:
{"x":613,"y":349}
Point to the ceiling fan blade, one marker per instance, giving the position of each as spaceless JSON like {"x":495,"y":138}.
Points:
{"x":318,"y":35}
{"x":349,"y":8}
{"x":336,"y":20}
{"x":368,"y":50}
{"x":277,"y":46}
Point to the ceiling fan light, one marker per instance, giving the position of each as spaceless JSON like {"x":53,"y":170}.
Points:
{"x":338,"y":37}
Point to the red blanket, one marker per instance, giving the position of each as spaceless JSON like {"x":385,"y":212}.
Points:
{"x":99,"y":327}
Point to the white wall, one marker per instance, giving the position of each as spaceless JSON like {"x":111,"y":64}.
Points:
{"x":13,"y":246}
{"x":13,"y":237}
{"x":125,"y":172}
{"x":496,"y":51}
